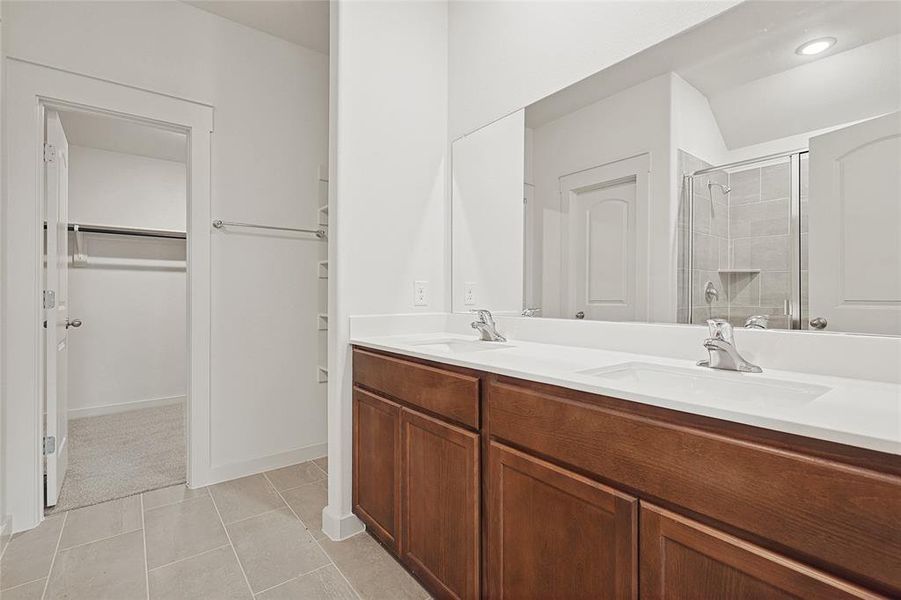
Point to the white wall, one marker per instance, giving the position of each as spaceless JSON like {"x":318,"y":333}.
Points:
{"x":114,"y":188}
{"x":632,"y":122}
{"x":270,"y":100}
{"x":487,"y":212}
{"x":506,"y":55}
{"x":388,"y":187}
{"x":132,"y":346}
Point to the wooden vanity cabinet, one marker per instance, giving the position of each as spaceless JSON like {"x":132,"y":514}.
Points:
{"x":681,"y":558}
{"x":440,"y":504}
{"x":555,"y":534}
{"x":416,"y":476}
{"x":376,"y":469}
{"x":586,"y":496}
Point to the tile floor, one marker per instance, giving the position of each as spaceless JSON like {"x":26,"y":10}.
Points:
{"x":256,"y":537}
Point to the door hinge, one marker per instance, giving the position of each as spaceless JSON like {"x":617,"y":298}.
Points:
{"x":49,"y":153}
{"x":49,"y":445}
{"x":49,"y":299}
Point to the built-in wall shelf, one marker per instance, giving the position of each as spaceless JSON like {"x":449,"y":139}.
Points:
{"x":322,"y":322}
{"x":738,"y":271}
{"x":323,"y":269}
{"x":321,"y":374}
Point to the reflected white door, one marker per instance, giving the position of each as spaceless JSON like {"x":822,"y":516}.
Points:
{"x":855,"y":227}
{"x":56,"y":313}
{"x":603,"y":264}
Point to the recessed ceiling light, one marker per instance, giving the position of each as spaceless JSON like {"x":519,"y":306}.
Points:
{"x":815,"y":46}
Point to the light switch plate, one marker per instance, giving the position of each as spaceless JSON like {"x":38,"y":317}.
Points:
{"x":420,"y":293}
{"x":469,"y":293}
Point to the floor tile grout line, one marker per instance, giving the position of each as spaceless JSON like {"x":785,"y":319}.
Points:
{"x":55,"y":554}
{"x":231,"y":544}
{"x":144,"y":542}
{"x":175,"y":562}
{"x":183,"y":500}
{"x":261,"y":592}
{"x":321,"y":549}
{"x":242,"y":519}
{"x":103,"y":539}
{"x":18,"y":585}
{"x":291,"y":489}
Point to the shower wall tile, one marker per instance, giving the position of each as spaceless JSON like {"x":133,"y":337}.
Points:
{"x":744,"y":289}
{"x":771,"y":253}
{"x":760,"y":218}
{"x":706,"y":252}
{"x":745,"y":186}
{"x":775,"y":181}
{"x":775,"y":288}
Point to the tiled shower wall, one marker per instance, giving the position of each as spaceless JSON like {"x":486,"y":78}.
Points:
{"x":748,"y":231}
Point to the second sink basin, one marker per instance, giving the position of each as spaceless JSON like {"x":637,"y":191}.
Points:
{"x":456,"y":346}
{"x":702,"y":385}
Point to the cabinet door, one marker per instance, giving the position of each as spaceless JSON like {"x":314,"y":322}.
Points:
{"x":681,"y":558}
{"x":555,"y":534}
{"x":440,"y":487}
{"x":376,"y":470}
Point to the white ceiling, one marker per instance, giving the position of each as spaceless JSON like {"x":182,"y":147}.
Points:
{"x":119,"y":135}
{"x":743,"y":48}
{"x":302,"y":22}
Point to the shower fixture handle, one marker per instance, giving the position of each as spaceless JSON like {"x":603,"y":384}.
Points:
{"x":73,"y":323}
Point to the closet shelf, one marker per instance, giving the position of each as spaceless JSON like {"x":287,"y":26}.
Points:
{"x":738,"y":271}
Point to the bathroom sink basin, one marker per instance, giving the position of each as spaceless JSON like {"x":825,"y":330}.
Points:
{"x":704,"y":386}
{"x":454,"y":346}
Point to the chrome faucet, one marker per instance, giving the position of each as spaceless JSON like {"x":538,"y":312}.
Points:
{"x":721,"y":348}
{"x":757,"y":322}
{"x":531,"y":312}
{"x":486,"y":327}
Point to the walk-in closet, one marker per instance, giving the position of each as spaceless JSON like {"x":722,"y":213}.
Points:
{"x":116,"y":244}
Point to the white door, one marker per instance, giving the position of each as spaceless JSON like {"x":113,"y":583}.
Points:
{"x":854,"y":241}
{"x":606,"y":255}
{"x":56,"y":313}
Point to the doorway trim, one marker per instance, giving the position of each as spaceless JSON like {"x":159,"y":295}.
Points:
{"x":31,"y":89}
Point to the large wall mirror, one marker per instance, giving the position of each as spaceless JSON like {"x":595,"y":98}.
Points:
{"x":747,"y":169}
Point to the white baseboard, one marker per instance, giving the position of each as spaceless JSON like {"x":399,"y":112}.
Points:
{"x":109,"y":409}
{"x":340,"y":527}
{"x":231,"y":471}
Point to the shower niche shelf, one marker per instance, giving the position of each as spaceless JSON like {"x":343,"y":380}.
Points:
{"x":738,"y":271}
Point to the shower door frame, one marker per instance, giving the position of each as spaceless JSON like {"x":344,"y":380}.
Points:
{"x":794,"y":156}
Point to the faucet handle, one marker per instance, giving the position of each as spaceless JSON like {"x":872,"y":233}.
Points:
{"x":484,"y":315}
{"x":721,"y":329}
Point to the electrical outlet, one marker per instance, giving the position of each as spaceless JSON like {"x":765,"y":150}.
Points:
{"x":469,"y":293}
{"x":420,"y":293}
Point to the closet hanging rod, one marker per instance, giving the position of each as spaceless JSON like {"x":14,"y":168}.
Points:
{"x":135,"y":231}
{"x":219,"y":224}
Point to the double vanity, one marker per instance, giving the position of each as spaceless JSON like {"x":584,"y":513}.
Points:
{"x":517,"y":469}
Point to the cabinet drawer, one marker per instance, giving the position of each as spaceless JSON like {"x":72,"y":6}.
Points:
{"x":445,"y":393}
{"x":832,"y":515}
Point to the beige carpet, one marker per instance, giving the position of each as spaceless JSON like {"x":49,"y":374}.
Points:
{"x":113,"y":456}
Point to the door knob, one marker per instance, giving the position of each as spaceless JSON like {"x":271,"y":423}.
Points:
{"x":580,"y":315}
{"x":73,"y":323}
{"x":818,"y":323}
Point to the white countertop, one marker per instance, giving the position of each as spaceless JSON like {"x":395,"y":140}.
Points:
{"x":843,"y":410}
